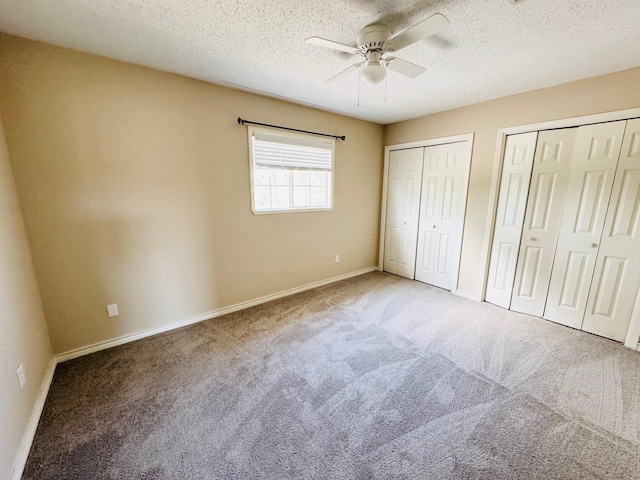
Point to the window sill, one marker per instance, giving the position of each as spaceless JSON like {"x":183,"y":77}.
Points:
{"x":291,"y":210}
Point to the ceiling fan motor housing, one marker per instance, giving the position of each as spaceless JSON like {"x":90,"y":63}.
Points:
{"x":373,"y":37}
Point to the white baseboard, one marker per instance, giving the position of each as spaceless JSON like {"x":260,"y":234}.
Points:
{"x":470,"y":296}
{"x":96,"y":347}
{"x":32,"y":425}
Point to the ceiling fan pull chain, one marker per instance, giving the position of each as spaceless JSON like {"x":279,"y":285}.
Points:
{"x":359,"y":89}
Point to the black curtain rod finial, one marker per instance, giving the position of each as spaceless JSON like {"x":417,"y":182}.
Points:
{"x":242,"y":121}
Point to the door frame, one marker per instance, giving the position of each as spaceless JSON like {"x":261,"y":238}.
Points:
{"x":634,"y":326}
{"x":468,"y":138}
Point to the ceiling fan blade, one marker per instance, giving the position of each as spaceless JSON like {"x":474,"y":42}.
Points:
{"x":345,"y":72}
{"x":321,"y":42}
{"x":427,"y":27}
{"x":405,"y":68}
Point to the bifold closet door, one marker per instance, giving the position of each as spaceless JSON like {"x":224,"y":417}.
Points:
{"x":512,"y":201}
{"x":593,"y":168}
{"x":441,"y":212}
{"x":551,"y":167}
{"x":617,"y":271}
{"x":403,"y":205}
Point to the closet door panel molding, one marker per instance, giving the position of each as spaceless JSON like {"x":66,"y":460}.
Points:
{"x":403,"y":203}
{"x":616,"y":279}
{"x":430,"y":204}
{"x":512,"y":201}
{"x":441,"y":214}
{"x":549,"y":181}
{"x":593,"y":168}
{"x":392,"y":233}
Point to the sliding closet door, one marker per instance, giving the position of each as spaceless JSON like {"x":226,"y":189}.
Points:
{"x":403,"y":204}
{"x":512,"y":200}
{"x":617,"y":271}
{"x":441,"y":212}
{"x":549,"y":180}
{"x":593,"y":169}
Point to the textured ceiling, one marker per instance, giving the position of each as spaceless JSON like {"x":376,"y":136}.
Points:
{"x":492,"y":49}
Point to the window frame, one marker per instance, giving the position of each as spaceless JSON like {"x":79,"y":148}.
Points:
{"x":298,"y":136}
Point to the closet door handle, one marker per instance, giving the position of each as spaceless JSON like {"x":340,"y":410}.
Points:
{"x":593,"y":245}
{"x":533,"y":239}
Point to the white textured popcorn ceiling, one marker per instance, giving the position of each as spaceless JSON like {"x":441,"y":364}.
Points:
{"x":492,"y":49}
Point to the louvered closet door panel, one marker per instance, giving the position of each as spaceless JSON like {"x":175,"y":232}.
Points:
{"x":403,"y":204}
{"x":512,"y":200}
{"x":593,"y":167}
{"x":441,"y":211}
{"x":547,"y":193}
{"x":617,"y":271}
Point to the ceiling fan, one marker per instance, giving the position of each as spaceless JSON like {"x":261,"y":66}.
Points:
{"x":375,"y":41}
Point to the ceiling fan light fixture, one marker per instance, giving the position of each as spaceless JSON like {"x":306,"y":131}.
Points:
{"x":373,"y":72}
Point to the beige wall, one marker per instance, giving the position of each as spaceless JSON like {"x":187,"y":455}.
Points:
{"x":135,"y":189}
{"x":23,"y":332}
{"x":617,"y":91}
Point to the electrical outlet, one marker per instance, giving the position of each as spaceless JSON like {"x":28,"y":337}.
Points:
{"x":337,"y":258}
{"x":21,"y":377}
{"x":112,"y":310}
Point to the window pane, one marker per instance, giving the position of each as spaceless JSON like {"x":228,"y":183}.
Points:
{"x":263,"y":203}
{"x":318,"y":178}
{"x":300,"y":197}
{"x":261,"y":176}
{"x":280,"y":177}
{"x":301,"y":177}
{"x":318,"y":196}
{"x":280,"y":197}
{"x":262,"y":198}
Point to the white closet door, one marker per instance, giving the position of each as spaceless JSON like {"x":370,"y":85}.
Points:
{"x":441,"y":211}
{"x":403,"y":204}
{"x":512,"y":200}
{"x":549,"y":180}
{"x":617,"y":272}
{"x":596,"y":153}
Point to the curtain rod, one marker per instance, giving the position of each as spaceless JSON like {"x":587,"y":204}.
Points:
{"x":249,"y":122}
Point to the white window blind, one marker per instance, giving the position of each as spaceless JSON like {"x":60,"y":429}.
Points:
{"x":290,"y":171}
{"x":279,"y":151}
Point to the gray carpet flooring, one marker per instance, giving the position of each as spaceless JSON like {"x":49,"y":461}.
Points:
{"x":375,"y":377}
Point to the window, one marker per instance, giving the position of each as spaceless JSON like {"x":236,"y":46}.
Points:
{"x":290,"y":172}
